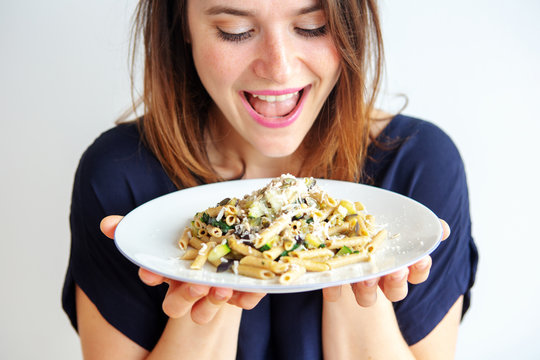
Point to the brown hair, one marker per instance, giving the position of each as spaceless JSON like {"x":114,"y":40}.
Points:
{"x":176,"y":103}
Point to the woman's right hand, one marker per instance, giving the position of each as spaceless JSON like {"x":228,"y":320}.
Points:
{"x":203,"y":302}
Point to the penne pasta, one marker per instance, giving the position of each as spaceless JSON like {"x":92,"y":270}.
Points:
{"x":289,"y":244}
{"x":198,"y":224}
{"x":213,"y":212}
{"x":310,"y":265}
{"x":315,"y":253}
{"x":255,"y":272}
{"x":284,"y":230}
{"x":230,"y":220}
{"x":291,"y":275}
{"x":377,"y":240}
{"x":241,"y":248}
{"x":190,"y":254}
{"x":231,"y":210}
{"x":202,"y":255}
{"x":339,"y":229}
{"x":274,"y":266}
{"x":184,"y":239}
{"x":339,"y":261}
{"x":273,"y":253}
{"x":214,"y":231}
{"x":274,"y":229}
{"x":195,"y":243}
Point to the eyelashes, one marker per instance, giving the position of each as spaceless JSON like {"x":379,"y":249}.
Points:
{"x":237,"y":38}
{"x":311,"y":33}
{"x":234,"y":37}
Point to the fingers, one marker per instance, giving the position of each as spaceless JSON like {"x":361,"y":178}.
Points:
{"x":201,"y":301}
{"x":419,"y":271}
{"x":204,"y":310}
{"x":446,"y":230}
{"x":394,"y":286}
{"x":204,"y":302}
{"x":366,"y":292}
{"x":149,"y":278}
{"x":332,"y":293}
{"x":245,"y":300}
{"x":181,"y":297}
{"x":108,"y":225}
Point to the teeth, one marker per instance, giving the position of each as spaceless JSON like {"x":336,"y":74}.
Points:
{"x":274,"y":98}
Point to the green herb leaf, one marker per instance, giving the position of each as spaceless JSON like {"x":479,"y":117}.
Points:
{"x":286,"y":252}
{"x":344,"y":251}
{"x":265,"y":247}
{"x":220,"y":224}
{"x":205,"y":218}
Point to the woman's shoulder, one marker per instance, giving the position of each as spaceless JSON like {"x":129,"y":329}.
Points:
{"x":408,"y":147}
{"x":117,"y":168}
{"x":420,"y":131}
{"x":419,"y":139}
{"x":122,"y":142}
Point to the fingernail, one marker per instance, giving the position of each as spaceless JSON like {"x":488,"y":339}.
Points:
{"x":370,"y":282}
{"x":399,"y":276}
{"x":220,"y":295}
{"x":421,"y":265}
{"x":195,"y":292}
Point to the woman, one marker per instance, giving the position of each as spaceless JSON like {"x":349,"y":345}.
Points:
{"x":248,"y":89}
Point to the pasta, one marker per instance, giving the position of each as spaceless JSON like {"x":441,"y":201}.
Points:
{"x":288,"y":228}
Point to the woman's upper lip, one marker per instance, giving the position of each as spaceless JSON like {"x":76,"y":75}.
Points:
{"x":275,"y":92}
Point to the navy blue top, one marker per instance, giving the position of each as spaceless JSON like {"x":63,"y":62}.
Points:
{"x":117,"y":173}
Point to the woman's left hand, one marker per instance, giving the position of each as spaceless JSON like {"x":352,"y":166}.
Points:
{"x":394,"y":285}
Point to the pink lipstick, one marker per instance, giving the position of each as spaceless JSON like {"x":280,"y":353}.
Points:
{"x":273,"y":96}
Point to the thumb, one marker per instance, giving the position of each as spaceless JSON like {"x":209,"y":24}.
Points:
{"x":108,"y":225}
{"x":446,"y":229}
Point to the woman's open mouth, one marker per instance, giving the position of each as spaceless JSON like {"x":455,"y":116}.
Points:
{"x":275,"y":109}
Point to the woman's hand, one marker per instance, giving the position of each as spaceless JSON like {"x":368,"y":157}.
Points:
{"x":394,"y":285}
{"x":203,"y":302}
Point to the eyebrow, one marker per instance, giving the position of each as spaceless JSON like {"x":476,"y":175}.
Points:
{"x":220,"y":9}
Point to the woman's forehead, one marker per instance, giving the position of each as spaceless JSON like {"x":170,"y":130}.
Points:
{"x":255,"y":7}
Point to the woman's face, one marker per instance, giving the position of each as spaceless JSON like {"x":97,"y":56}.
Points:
{"x":268,"y":65}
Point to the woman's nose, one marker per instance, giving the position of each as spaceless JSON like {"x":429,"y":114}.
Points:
{"x":276,"y":58}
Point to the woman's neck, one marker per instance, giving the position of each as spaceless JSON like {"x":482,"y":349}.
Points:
{"x":232,"y":157}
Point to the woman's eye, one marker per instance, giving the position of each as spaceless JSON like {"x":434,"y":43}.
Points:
{"x":233,"y":37}
{"x":309,"y":33}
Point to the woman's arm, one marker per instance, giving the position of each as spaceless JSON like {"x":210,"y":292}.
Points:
{"x":354,"y":332}
{"x":181,"y":339}
{"x":371,"y":330}
{"x":440,"y":343}
{"x":203,"y":321}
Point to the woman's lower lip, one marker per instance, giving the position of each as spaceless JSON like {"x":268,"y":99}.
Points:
{"x":276,"y":122}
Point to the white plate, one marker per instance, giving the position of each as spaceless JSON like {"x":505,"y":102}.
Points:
{"x":147,"y":235}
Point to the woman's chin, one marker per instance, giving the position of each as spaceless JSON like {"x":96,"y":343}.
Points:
{"x":277,"y":150}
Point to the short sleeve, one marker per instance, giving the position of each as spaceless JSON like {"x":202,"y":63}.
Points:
{"x":107,"y":182}
{"x":428,"y":168}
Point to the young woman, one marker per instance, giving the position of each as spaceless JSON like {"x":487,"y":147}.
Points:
{"x":246,"y":89}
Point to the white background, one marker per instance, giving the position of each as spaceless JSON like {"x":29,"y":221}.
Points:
{"x":472,"y":67}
